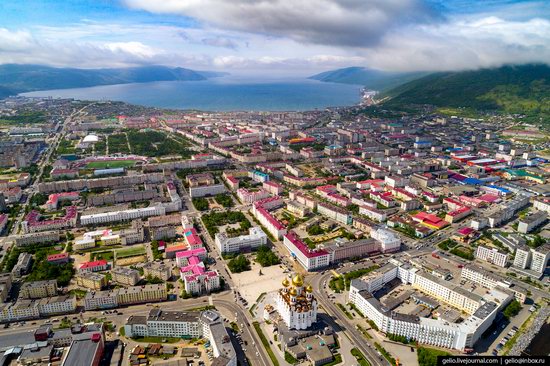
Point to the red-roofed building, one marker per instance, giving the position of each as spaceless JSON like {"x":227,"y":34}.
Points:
{"x":192,"y":238}
{"x":33,"y":223}
{"x":58,"y":258}
{"x":95,"y":266}
{"x":430,"y":220}
{"x":310,"y":259}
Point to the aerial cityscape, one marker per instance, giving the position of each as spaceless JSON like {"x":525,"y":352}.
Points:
{"x":162,"y":207}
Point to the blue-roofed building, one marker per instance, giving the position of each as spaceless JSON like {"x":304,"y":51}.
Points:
{"x":258,"y":176}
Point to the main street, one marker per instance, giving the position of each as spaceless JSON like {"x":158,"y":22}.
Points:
{"x":346,"y":327}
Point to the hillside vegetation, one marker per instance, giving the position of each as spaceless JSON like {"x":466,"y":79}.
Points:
{"x":513,"y":89}
{"x":371,"y":79}
{"x":23,"y":78}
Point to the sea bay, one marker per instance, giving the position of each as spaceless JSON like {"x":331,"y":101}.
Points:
{"x":221,"y":94}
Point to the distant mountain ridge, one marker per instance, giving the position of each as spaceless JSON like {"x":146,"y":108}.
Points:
{"x":522,"y":89}
{"x":16,"y":78}
{"x":369,"y":78}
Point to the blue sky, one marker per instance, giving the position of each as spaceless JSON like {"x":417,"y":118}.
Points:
{"x":279,"y":36}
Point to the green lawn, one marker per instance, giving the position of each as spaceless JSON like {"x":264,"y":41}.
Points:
{"x":107,"y":255}
{"x":111,"y":164}
{"x":130,"y":252}
{"x":428,"y":356}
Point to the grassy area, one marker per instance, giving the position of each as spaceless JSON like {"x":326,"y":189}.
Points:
{"x":290,"y":359}
{"x":107,"y":255}
{"x":364,"y":331}
{"x":360,"y":357}
{"x":111,"y":164}
{"x":157,"y":143}
{"x":463,"y":252}
{"x":428,"y":356}
{"x":118,"y":143}
{"x":130,"y":252}
{"x":343,"y":308}
{"x":265,"y":342}
{"x":341,"y":283}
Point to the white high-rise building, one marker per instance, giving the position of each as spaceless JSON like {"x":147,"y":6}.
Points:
{"x":491,"y":255}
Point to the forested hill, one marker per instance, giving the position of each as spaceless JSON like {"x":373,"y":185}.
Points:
{"x":521,"y":89}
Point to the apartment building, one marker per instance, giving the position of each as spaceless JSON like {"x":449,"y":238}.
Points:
{"x":126,"y":215}
{"x":125,"y":276}
{"x":273,"y":187}
{"x":250,"y":196}
{"x":33,"y":221}
{"x":110,"y":182}
{"x":389,"y":242}
{"x":373,"y":213}
{"x":535,"y":260}
{"x":336,"y":213}
{"x":36,"y":238}
{"x":5,"y":285}
{"x":162,"y":232}
{"x":57,"y":305}
{"x":261,"y":213}
{"x":491,"y":255}
{"x":38,"y":289}
{"x":208,"y":325}
{"x":255,"y":238}
{"x":125,"y":296}
{"x":528,"y":223}
{"x":159,"y":270}
{"x":90,"y":280}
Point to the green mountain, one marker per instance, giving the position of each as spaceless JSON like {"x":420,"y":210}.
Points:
{"x":371,"y":79}
{"x":22,"y":78}
{"x":523,"y":89}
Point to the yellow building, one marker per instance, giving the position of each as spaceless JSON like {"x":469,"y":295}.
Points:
{"x":38,"y":289}
{"x":93,"y":281}
{"x":141,"y":294}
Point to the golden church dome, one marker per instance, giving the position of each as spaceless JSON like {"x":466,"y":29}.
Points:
{"x":286,"y":282}
{"x":298,"y":281}
{"x":309,"y":289}
{"x":293,"y":292}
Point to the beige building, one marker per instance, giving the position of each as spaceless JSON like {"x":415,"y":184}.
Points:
{"x":38,"y":289}
{"x":93,"y":281}
{"x":160,"y":270}
{"x":125,"y":276}
{"x":141,"y":294}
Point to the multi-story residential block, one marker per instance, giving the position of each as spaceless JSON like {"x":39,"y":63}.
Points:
{"x":159,"y":270}
{"x":38,"y":289}
{"x":127,"y":215}
{"x":5,"y":285}
{"x":208,"y":324}
{"x":336,"y":213}
{"x":255,"y":238}
{"x":373,"y":213}
{"x":57,"y":305}
{"x":491,"y":255}
{"x":528,"y":223}
{"x":298,"y":209}
{"x":273,"y":187}
{"x":95,"y":300}
{"x":93,"y":281}
{"x":522,"y":258}
{"x":250,"y":196}
{"x":162,"y":232}
{"x":182,"y":257}
{"x":142,"y":294}
{"x":55,"y":198}
{"x":125,"y":276}
{"x":23,"y":265}
{"x":33,"y":223}
{"x":36,"y":238}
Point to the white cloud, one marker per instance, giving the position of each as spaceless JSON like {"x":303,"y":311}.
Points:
{"x":464,"y":44}
{"x":355,"y":23}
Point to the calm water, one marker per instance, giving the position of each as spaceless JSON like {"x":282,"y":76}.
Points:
{"x":221,"y":94}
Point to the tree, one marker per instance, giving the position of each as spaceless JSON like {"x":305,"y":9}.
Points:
{"x":512,"y":309}
{"x":239,"y":264}
{"x":265,"y":257}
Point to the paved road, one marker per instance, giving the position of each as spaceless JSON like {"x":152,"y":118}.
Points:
{"x":343,"y":322}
